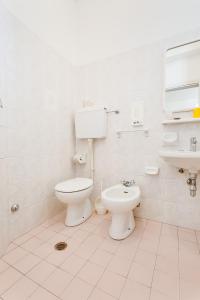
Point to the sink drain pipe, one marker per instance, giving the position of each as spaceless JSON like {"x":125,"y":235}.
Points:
{"x":192,"y":182}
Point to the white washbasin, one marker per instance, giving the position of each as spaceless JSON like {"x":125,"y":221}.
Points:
{"x":182,"y":159}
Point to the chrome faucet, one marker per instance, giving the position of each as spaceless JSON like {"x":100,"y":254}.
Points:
{"x":193,"y":144}
{"x":127,"y":183}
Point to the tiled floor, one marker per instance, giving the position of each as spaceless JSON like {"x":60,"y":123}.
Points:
{"x":157,"y":262}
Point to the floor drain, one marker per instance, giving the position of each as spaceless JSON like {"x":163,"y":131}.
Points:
{"x":60,"y":246}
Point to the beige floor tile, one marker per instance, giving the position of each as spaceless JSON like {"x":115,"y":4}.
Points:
{"x":169,"y":241}
{"x":56,"y":239}
{"x":15,"y":255}
{"x":126,"y":251}
{"x":120,"y":266}
{"x":141,"y":274}
{"x":155,"y":295}
{"x":81,"y":235}
{"x":189,"y":290}
{"x":8,"y":278}
{"x":73,"y":264}
{"x":133,"y":290}
{"x":45,"y":235}
{"x":91,"y":273}
{"x":22,"y":239}
{"x":166,"y":284}
{"x":111,"y":283}
{"x":77,"y":290}
{"x":101,"y":257}
{"x":188,"y":248}
{"x":21,"y":290}
{"x":169,"y":265}
{"x":37,"y":229}
{"x":41,"y":272}
{"x":25,"y":264}
{"x":187,"y":235}
{"x":57,"y":227}
{"x":100,"y":295}
{"x":145,"y":258}
{"x":57,"y":282}
{"x":32,"y":244}
{"x":42,"y":294}
{"x":189,"y":267}
{"x":96,"y":219}
{"x":73,"y":243}
{"x":44,"y":250}
{"x":69,"y":231}
{"x":3,"y":266}
{"x":11,"y":247}
{"x":149,"y":245}
{"x":169,"y":230}
{"x":58,"y":257}
{"x":85,"y":251}
{"x":110,"y":246}
{"x":90,"y":251}
{"x":89,"y":227}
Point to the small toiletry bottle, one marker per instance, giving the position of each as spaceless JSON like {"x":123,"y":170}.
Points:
{"x":196,"y":112}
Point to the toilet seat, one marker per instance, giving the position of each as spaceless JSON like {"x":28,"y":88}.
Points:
{"x":74,"y":185}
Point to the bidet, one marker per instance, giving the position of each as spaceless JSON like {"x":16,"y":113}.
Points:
{"x":120,"y":200}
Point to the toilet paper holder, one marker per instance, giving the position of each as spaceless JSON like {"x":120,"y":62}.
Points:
{"x":80,"y":158}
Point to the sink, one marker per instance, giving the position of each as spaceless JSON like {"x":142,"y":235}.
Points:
{"x":182,"y":159}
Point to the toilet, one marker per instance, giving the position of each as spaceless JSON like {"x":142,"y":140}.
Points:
{"x":75,"y":193}
{"x":120,"y":201}
{"x":90,"y":124}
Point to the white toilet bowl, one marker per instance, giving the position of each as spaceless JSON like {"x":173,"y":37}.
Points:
{"x":75,"y":193}
{"x":121,"y":201}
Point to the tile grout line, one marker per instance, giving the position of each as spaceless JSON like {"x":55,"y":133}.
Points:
{"x":134,"y":255}
{"x":154,"y":269}
{"x":179,"y":277}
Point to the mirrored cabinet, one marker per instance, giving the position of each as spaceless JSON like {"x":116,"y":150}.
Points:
{"x":182,"y":88}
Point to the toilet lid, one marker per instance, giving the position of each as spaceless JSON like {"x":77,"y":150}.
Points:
{"x":74,"y":185}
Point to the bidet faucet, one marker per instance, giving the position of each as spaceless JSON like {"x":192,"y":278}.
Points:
{"x":193,"y":144}
{"x":127,"y":183}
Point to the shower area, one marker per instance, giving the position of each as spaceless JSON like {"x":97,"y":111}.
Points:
{"x":36,"y":135}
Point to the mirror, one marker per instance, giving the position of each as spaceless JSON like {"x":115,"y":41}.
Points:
{"x":182,"y":77}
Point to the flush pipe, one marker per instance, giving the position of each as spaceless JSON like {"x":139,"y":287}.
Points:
{"x":91,"y":154}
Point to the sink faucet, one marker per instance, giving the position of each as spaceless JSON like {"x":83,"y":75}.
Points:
{"x":193,"y":144}
{"x":128,"y":183}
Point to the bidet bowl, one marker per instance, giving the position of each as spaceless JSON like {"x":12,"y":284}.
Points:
{"x":119,"y":198}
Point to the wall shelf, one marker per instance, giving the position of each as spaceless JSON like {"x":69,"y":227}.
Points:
{"x":181,"y":121}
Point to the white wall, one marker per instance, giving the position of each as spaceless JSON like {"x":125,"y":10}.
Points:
{"x":87,"y":30}
{"x":55,"y":22}
{"x":36,"y":140}
{"x":118,"y":81}
{"x":108,"y":27}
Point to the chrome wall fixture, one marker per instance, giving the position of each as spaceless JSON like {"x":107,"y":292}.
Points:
{"x":1,"y":103}
{"x":116,"y":111}
{"x":14,"y":208}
